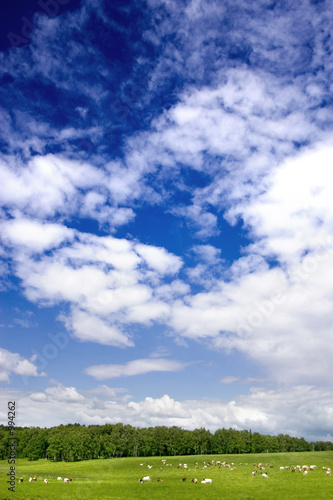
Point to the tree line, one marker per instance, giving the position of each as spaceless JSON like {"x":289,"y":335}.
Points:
{"x":75,"y":442}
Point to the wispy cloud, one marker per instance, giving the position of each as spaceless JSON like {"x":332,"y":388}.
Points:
{"x":136,"y":367}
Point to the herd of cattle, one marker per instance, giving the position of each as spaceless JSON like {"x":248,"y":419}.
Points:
{"x":46,"y":481}
{"x":256,"y":469}
{"x":262,"y":469}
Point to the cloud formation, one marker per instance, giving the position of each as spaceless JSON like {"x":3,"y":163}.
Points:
{"x":11,"y":363}
{"x":299,"y":410}
{"x":165,"y":179}
{"x":135,"y":367}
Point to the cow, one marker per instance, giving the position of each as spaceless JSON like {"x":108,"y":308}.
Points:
{"x":144,"y":479}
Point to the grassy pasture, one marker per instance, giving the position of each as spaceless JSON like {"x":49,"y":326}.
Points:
{"x":118,"y":479}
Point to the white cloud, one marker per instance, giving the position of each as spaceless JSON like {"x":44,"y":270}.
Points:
{"x":47,"y":184}
{"x":51,"y":185}
{"x":63,"y":394}
{"x":14,"y":364}
{"x":272,"y":319}
{"x":238,"y":132}
{"x":136,"y":367}
{"x":207,"y":253}
{"x":229,"y":380}
{"x":164,"y":407}
{"x":124,"y":181}
{"x":106,"y":282}
{"x":33,"y":235}
{"x":105,"y":391}
{"x":159,"y":259}
{"x":89,"y":328}
{"x":51,"y":280}
{"x":148,"y":312}
{"x":302,"y":410}
{"x":204,"y":223}
{"x":294,"y":214}
{"x":117,"y":252}
{"x":38,"y":396}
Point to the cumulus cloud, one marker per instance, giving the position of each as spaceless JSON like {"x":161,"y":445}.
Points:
{"x":14,"y":364}
{"x":90,"y":328}
{"x":63,"y":394}
{"x":109,"y":283}
{"x":33,"y":235}
{"x":47,"y":184}
{"x":159,"y":259}
{"x":207,"y":253}
{"x":293,"y":216}
{"x":163,"y":407}
{"x":302,"y":410}
{"x":269,"y":317}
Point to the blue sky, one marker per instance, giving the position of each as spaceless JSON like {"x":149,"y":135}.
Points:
{"x":166,"y":214}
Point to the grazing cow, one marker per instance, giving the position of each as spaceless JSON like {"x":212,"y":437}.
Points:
{"x":159,"y":480}
{"x":206,"y":481}
{"x":144,"y":479}
{"x":67,"y":479}
{"x":21,"y":480}
{"x":265,"y":475}
{"x":194,"y":480}
{"x":32,"y":479}
{"x":46,"y":481}
{"x":183,"y":478}
{"x":59,"y":478}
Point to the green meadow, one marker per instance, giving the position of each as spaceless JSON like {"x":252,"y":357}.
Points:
{"x":118,"y":478}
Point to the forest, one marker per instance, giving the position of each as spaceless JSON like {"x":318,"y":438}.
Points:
{"x":75,"y":442}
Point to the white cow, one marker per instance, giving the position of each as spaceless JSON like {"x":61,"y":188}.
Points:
{"x":145,"y":479}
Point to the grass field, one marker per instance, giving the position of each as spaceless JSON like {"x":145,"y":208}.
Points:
{"x":118,"y":479}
